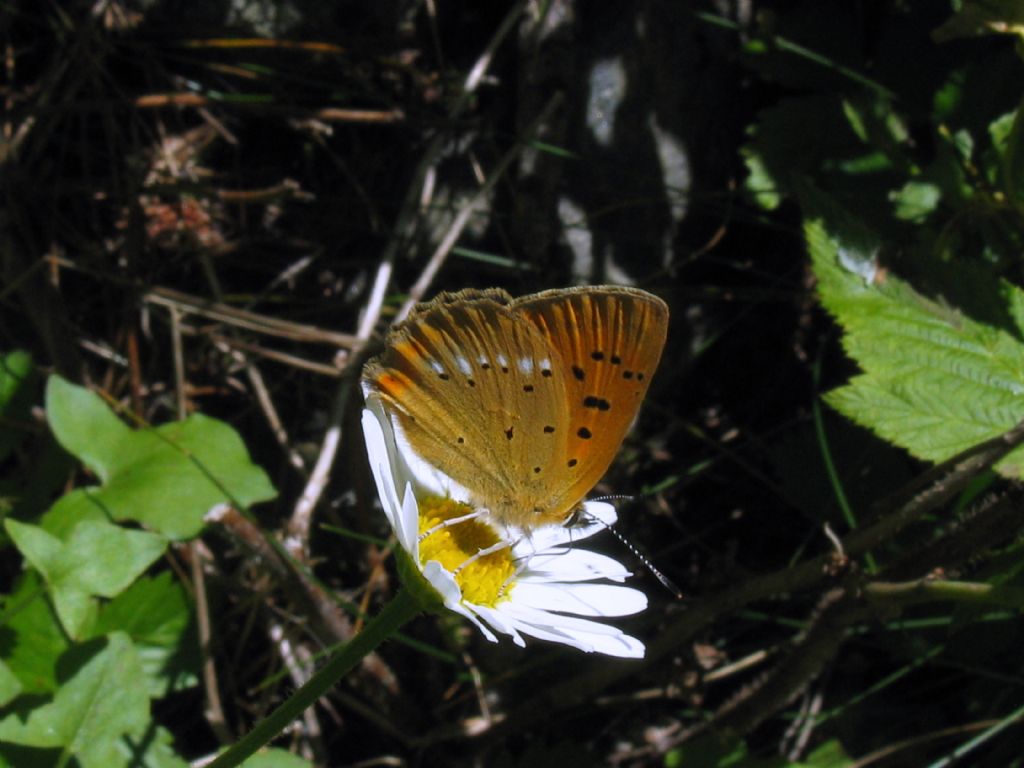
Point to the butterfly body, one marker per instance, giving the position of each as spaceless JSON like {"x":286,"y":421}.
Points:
{"x":523,"y":402}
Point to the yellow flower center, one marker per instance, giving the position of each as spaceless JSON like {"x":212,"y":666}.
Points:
{"x":484,"y":581}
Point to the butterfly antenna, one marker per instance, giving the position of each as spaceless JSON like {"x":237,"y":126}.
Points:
{"x":615,"y":497}
{"x":666,"y":582}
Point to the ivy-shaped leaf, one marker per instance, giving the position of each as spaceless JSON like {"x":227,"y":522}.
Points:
{"x":98,"y":559}
{"x":10,"y":685}
{"x":31,"y":637}
{"x":156,"y":614}
{"x":166,"y":478}
{"x":97,"y":705}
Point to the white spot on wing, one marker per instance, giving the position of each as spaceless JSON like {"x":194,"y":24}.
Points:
{"x":526,"y":365}
{"x":464,"y":365}
{"x":502,"y":361}
{"x":436,"y":366}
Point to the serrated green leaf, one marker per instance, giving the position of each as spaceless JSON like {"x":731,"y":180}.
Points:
{"x":155,"y":613}
{"x":167,"y":478}
{"x":97,"y":559}
{"x":935,"y":381}
{"x":97,"y":705}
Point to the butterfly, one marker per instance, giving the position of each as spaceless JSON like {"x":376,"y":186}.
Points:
{"x":523,"y":402}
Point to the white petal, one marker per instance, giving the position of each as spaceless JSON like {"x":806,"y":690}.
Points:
{"x":443,"y":581}
{"x":597,"y":515}
{"x":479,"y":624}
{"x":538,"y":617}
{"x":380,"y":466}
{"x":579,"y":633}
{"x":581,"y":599}
{"x":622,"y":645}
{"x":555,"y":636}
{"x":500,"y":622}
{"x":602,"y":511}
{"x":573,"y":565}
{"x":407,"y":524}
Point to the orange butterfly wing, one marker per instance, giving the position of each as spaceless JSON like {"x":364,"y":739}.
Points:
{"x":610,"y":340}
{"x":523,"y":402}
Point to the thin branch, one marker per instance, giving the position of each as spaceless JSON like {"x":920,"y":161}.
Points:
{"x":240,"y":318}
{"x":437,"y":259}
{"x":298,"y":524}
{"x":926,"y":493}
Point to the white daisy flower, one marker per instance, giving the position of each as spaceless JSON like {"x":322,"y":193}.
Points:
{"x":539,"y":586}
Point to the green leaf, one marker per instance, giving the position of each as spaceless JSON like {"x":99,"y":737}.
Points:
{"x":829,"y":755}
{"x":15,"y":399}
{"x":935,"y":381}
{"x":31,"y":637}
{"x":97,"y":705}
{"x":98,"y":558}
{"x":156,"y":614}
{"x":275,"y":758}
{"x":1012,"y":150}
{"x":10,"y":685}
{"x":916,"y":200}
{"x":151,"y":750}
{"x":166,"y":478}
{"x":718,"y":750}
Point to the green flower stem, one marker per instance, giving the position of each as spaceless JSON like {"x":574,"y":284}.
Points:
{"x":391,"y":618}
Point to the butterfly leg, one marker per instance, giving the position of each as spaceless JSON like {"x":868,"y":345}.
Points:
{"x":522,"y":565}
{"x":452,"y":521}
{"x":503,"y":544}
